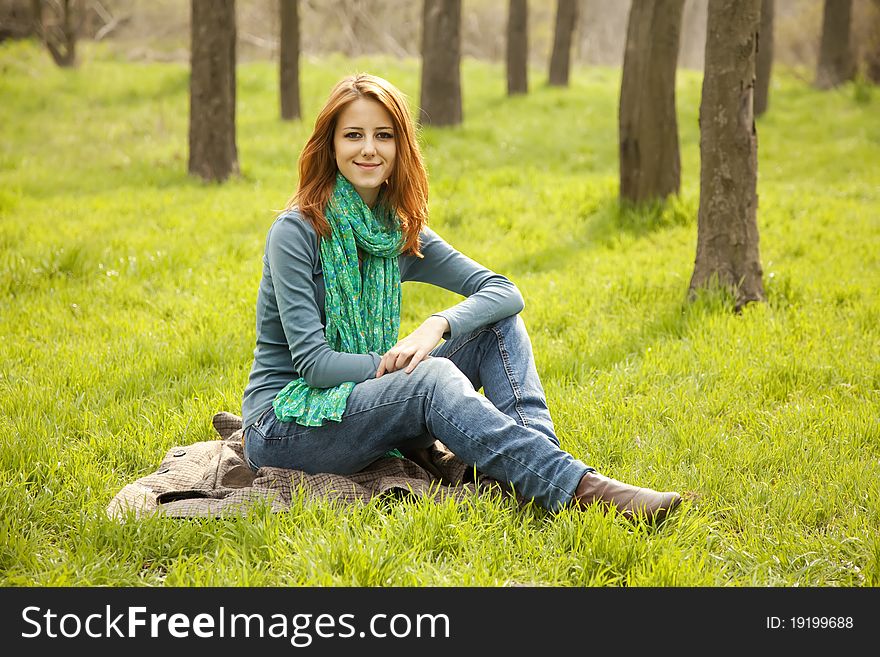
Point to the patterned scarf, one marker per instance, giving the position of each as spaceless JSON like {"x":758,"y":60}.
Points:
{"x":362,"y":311}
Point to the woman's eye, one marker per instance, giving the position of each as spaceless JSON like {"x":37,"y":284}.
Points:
{"x":352,"y":135}
{"x":385,"y":135}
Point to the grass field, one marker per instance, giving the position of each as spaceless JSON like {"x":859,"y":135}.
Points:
{"x":127,"y":293}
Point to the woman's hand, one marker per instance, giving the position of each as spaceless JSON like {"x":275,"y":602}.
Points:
{"x":415,"y":347}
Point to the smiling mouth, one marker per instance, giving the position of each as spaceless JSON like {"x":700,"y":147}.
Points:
{"x":366,"y":166}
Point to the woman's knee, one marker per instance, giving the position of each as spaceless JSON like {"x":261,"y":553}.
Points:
{"x":438,"y":372}
{"x":444,"y":384}
{"x":438,"y":368}
{"x":510,"y":325}
{"x":513,"y":322}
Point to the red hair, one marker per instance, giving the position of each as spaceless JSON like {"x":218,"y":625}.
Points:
{"x":406,"y":190}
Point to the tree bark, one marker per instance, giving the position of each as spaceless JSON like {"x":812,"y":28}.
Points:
{"x":212,"y":151}
{"x":872,"y":56}
{"x":727,"y":230}
{"x":517,"y":47}
{"x":289,"y":60}
{"x":764,"y":64}
{"x":650,"y":165}
{"x":60,"y":40}
{"x":440,"y":103}
{"x":836,"y":59}
{"x":18,"y":20}
{"x":560,"y":59}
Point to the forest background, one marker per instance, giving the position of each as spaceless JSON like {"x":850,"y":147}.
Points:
{"x":127,"y":291}
{"x":159,"y":30}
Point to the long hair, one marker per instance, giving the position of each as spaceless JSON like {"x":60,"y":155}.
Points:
{"x":405,"y":191}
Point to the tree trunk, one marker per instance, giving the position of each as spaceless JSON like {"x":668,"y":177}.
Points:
{"x":517,"y":47}
{"x":441,"y":63}
{"x":60,"y":39}
{"x":650,"y":166}
{"x":566,"y":18}
{"x":212,"y":151}
{"x":18,"y":20}
{"x":765,"y":58}
{"x":872,"y":56}
{"x":836,"y":60}
{"x":727,"y":229}
{"x":289,"y":60}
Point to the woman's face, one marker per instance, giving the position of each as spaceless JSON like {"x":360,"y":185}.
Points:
{"x":365,"y":148}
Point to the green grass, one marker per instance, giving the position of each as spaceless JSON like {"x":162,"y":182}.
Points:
{"x":127,"y":292}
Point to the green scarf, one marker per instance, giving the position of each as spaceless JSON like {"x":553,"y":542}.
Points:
{"x":362,"y":311}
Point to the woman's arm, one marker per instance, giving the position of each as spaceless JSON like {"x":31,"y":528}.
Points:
{"x":292,"y":253}
{"x":415,"y":347}
{"x":489,"y":298}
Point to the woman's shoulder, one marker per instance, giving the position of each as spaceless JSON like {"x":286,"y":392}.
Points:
{"x":292,"y":222}
{"x":292,"y":217}
{"x":431,"y":242}
{"x":292,"y":231}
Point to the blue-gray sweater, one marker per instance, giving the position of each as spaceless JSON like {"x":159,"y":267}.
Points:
{"x":290,"y":310}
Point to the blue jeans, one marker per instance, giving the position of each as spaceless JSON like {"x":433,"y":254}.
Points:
{"x":506,"y":432}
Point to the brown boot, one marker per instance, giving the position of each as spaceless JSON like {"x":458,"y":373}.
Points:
{"x":630,"y":501}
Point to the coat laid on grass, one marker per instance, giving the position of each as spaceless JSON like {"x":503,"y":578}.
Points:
{"x":212,"y":479}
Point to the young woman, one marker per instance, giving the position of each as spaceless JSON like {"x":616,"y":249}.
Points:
{"x":332,"y":388}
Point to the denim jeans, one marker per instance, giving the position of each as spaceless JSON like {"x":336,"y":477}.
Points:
{"x":506,"y":432}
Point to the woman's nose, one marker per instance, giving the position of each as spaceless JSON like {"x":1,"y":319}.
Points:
{"x":369,"y":147}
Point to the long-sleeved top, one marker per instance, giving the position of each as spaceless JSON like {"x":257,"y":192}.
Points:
{"x":290,"y":340}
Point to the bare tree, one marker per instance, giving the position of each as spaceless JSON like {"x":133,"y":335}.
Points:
{"x":517,"y":47}
{"x":836,"y":59}
{"x":650,"y":165}
{"x":18,"y":19}
{"x":765,"y":58}
{"x":351,"y":14}
{"x":289,"y":60}
{"x":441,"y":63}
{"x":727,"y":229}
{"x":692,"y":48}
{"x":212,"y":151}
{"x":58,"y":35}
{"x":560,"y":59}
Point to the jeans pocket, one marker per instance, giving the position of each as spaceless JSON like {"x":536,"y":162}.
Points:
{"x":270,"y":427}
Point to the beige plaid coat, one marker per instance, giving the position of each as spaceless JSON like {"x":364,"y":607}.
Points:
{"x":212,"y":479}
